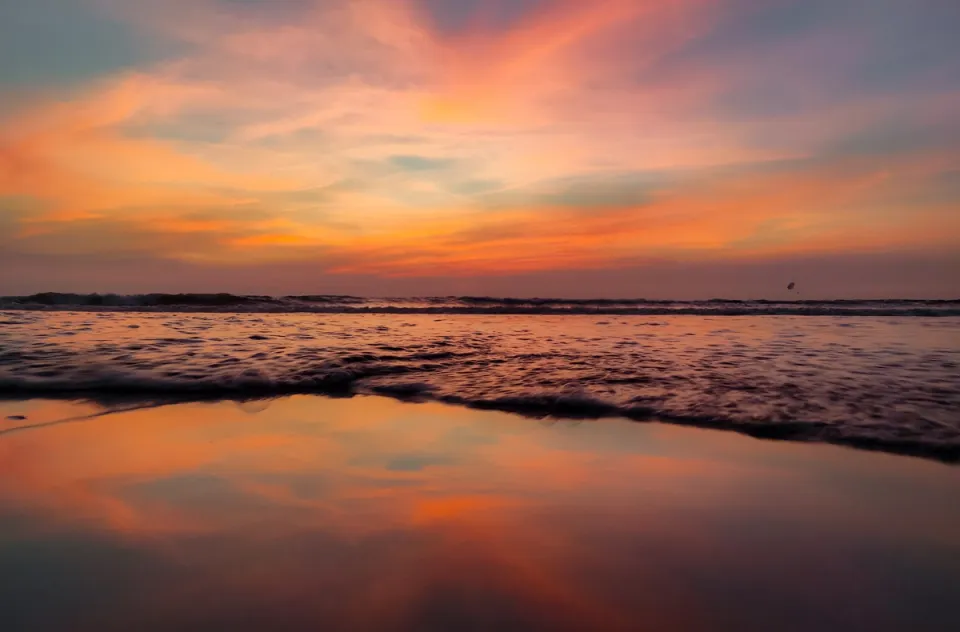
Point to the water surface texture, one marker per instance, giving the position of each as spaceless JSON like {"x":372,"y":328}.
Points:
{"x":883,"y":382}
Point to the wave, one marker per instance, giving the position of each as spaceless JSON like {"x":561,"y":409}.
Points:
{"x":851,"y":382}
{"x":340,"y":382}
{"x":345,"y":304}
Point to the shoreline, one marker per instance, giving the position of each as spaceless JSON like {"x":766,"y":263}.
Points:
{"x":559,"y":409}
{"x":878,"y":384}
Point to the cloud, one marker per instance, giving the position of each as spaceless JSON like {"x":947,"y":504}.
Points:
{"x":419,"y":163}
{"x":401,"y":137}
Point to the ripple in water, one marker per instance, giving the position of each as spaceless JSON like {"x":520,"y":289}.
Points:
{"x":887,"y":383}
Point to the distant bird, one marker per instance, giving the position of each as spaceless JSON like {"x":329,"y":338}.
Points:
{"x":792,"y":285}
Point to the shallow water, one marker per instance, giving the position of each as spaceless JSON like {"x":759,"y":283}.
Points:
{"x":888,"y":383}
{"x":309,"y":513}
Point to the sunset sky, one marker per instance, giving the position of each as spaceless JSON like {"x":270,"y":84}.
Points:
{"x":659,"y":148}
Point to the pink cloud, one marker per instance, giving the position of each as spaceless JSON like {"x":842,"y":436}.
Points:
{"x":327,"y":95}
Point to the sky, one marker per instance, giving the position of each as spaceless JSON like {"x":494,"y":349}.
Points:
{"x":630,"y":148}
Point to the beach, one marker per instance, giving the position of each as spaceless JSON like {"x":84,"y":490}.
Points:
{"x":479,"y":316}
{"x":366,"y":513}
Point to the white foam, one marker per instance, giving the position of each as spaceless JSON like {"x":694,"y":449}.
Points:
{"x":229,"y":303}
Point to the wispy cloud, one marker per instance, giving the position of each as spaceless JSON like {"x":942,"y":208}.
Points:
{"x":519,"y":137}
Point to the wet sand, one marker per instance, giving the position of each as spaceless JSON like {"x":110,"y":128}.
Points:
{"x":311,"y":513}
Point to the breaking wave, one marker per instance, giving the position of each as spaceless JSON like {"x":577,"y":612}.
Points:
{"x":343,"y":304}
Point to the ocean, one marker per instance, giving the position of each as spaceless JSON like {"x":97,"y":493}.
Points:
{"x":221,"y":462}
{"x":880,"y":375}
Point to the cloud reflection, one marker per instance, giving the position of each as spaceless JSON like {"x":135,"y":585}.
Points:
{"x":304,"y":516}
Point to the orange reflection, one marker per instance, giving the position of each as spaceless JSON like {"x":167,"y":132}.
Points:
{"x":396,"y":513}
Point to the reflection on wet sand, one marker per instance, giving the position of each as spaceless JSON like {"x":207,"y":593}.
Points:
{"x":368,"y":514}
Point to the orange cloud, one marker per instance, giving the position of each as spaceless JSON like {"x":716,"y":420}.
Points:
{"x":274,"y":137}
{"x":504,"y":78}
{"x":813,"y":208}
{"x":74,"y":156}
